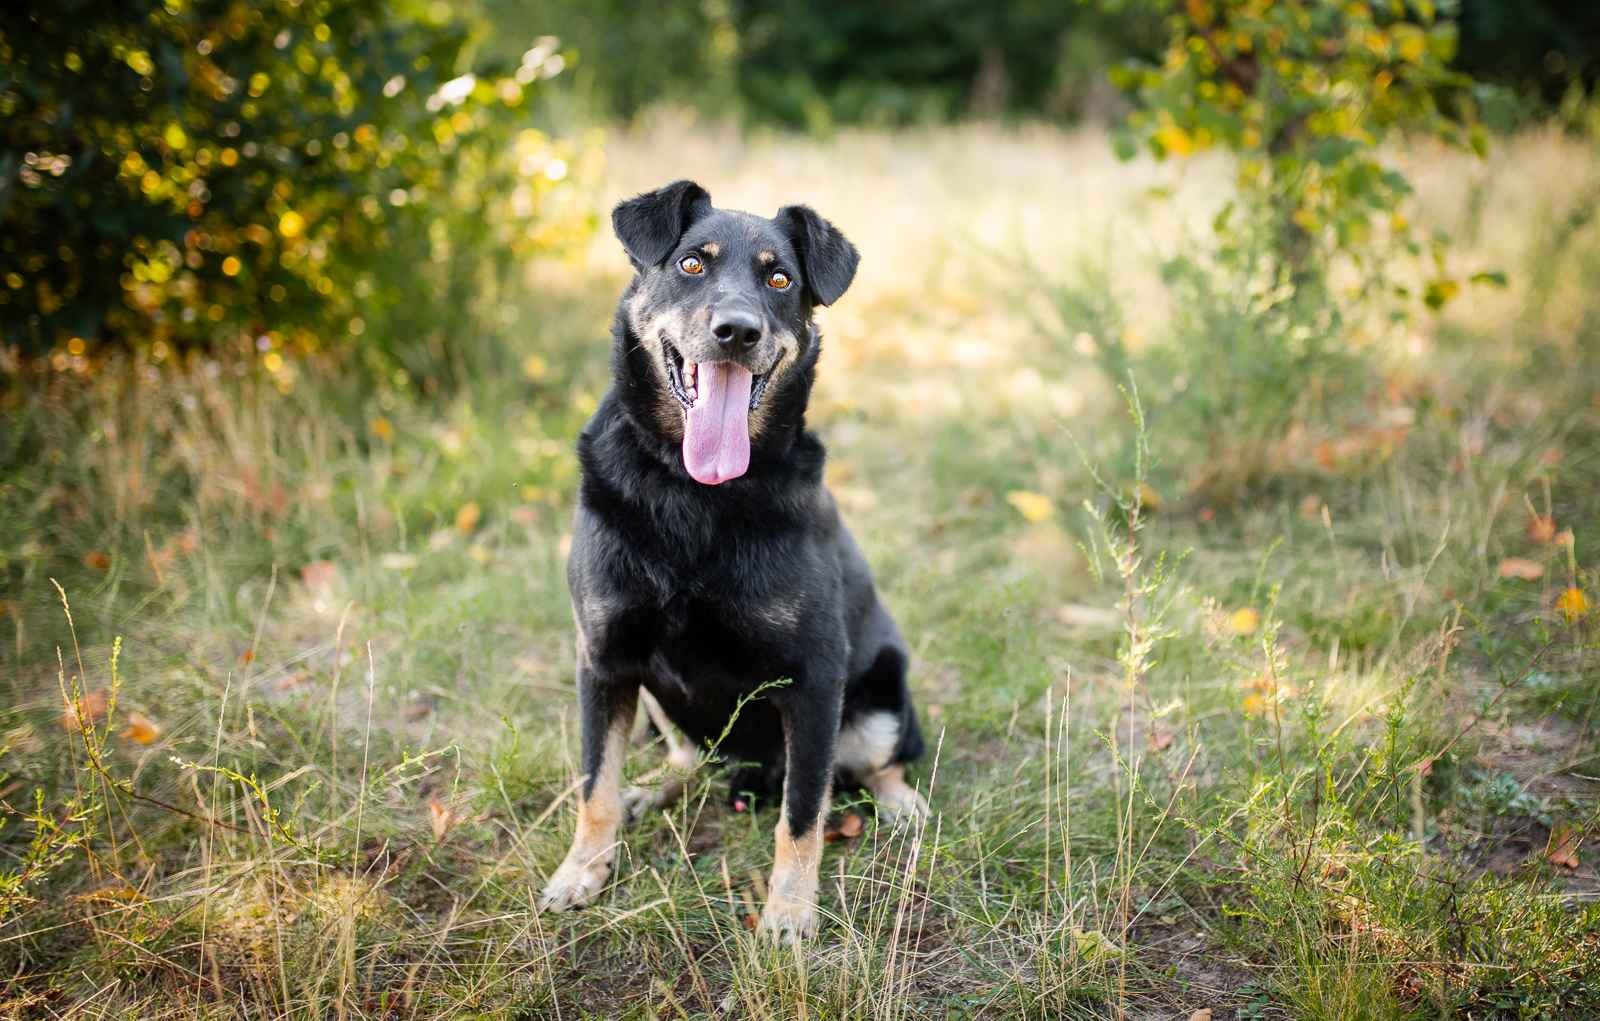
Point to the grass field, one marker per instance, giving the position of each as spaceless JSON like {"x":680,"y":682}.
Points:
{"x":1298,"y":720}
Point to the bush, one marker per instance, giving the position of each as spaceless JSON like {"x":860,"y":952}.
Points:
{"x":296,"y":174}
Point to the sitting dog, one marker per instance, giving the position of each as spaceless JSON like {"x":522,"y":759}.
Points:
{"x":711,"y":577}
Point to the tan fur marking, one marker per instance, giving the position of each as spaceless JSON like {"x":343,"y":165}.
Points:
{"x":712,"y":249}
{"x":767,"y":258}
{"x":789,"y":350}
{"x":587,"y":865}
{"x":791,"y":911}
{"x":896,"y":798}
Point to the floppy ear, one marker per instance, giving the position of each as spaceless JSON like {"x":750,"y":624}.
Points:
{"x":650,"y":225}
{"x":829,"y":261}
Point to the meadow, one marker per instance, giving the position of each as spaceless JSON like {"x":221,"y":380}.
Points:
{"x":1257,"y":657}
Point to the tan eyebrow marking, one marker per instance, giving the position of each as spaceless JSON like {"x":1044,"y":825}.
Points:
{"x":712,"y":249}
{"x":767,"y":258}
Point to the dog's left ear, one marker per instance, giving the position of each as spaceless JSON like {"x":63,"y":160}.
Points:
{"x":650,"y":225}
{"x":828,"y":259}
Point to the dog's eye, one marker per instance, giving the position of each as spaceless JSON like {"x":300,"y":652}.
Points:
{"x":692,"y":265}
{"x":779,"y":280}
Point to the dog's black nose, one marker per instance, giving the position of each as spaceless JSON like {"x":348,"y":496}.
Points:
{"x":736,"y":327}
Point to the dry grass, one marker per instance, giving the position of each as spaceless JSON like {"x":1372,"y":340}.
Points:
{"x":354,"y":641}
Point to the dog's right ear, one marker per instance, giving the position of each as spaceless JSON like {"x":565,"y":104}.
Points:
{"x":650,"y":225}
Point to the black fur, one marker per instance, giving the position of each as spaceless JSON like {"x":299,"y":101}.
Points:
{"x":703,"y":593}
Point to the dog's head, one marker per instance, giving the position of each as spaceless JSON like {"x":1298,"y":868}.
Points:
{"x":717,"y":348}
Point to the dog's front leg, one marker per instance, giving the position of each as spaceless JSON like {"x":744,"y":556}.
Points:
{"x":811,"y":728}
{"x":607,"y":708}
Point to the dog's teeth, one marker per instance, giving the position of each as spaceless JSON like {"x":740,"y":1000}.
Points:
{"x":688,"y":373}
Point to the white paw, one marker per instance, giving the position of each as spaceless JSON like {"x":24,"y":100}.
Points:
{"x":787,"y":920}
{"x":575,"y":883}
{"x":639,"y":801}
{"x":900,"y":805}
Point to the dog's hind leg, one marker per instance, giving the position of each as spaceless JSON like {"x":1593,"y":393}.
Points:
{"x":607,"y":709}
{"x":662,"y":786}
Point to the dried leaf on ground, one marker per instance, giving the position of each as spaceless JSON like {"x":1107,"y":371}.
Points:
{"x":85,"y":710}
{"x":1541,"y":527}
{"x":1562,"y":848}
{"x":442,"y":818}
{"x":141,"y":729}
{"x":849,"y":826}
{"x":1521,"y":567}
{"x":1244,"y":620}
{"x":1035,"y":507}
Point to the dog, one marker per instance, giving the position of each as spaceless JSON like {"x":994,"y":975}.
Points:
{"x":711,"y":576}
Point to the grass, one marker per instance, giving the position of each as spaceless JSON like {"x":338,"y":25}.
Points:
{"x":1285,"y":747}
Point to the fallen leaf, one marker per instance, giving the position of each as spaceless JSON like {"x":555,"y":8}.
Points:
{"x":141,"y":729}
{"x":467,"y":517}
{"x":849,"y":827}
{"x":1244,"y":620}
{"x":85,"y":710}
{"x":1562,"y":847}
{"x":319,"y":575}
{"x":1203,"y":1014}
{"x":98,"y":561}
{"x":442,"y":818}
{"x":1032,"y":506}
{"x":1541,"y":527}
{"x":1573,"y":603}
{"x":1520,"y":567}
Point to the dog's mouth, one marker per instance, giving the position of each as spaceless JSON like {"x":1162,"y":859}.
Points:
{"x":717,"y":399}
{"x":683,"y":377}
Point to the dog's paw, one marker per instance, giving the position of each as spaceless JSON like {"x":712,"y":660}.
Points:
{"x":900,"y":805}
{"x":787,"y":920}
{"x":575,"y":884}
{"x":638,"y":802}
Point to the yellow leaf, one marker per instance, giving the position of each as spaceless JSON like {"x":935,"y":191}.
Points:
{"x":141,"y":729}
{"x":1035,"y":507}
{"x":1573,"y":603}
{"x":1244,"y":620}
{"x":291,"y":224}
{"x":467,"y":517}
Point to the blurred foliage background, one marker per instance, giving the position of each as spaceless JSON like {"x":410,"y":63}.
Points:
{"x":359,"y":177}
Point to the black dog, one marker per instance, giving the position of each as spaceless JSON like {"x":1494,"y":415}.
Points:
{"x":708,"y":559}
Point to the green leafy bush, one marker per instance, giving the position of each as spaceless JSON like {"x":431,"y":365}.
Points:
{"x":292,"y":175}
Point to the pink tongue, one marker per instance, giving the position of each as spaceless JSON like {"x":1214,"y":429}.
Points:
{"x":716,"y":439}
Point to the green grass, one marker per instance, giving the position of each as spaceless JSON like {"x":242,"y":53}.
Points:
{"x":346,"y":614}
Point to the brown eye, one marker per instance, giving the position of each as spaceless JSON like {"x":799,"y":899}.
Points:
{"x":692,"y":265}
{"x":779,"y":280}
